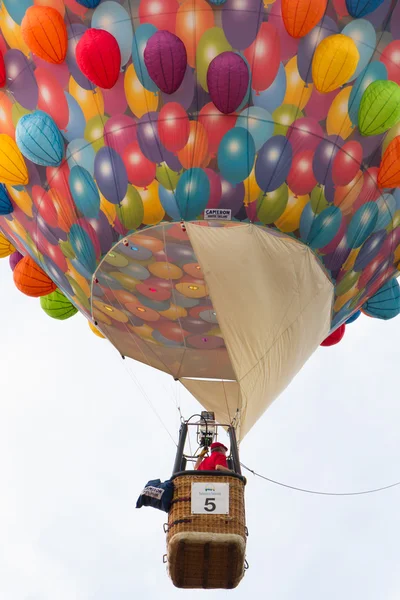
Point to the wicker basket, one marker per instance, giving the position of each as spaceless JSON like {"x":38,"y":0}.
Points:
{"x":206,"y":550}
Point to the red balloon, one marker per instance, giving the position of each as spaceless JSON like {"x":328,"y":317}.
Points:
{"x":335,"y":337}
{"x":264,"y":56}
{"x":3,"y":77}
{"x":44,"y":203}
{"x":141,"y":171}
{"x":51,"y":97}
{"x":347,"y":163}
{"x":58,"y":180}
{"x":305,"y":134}
{"x":99,"y":57}
{"x":391,"y":59}
{"x":370,"y":190}
{"x":301,"y":179}
{"x":216,"y":125}
{"x":160,"y":14}
{"x":215,"y":188}
{"x":173,"y":126}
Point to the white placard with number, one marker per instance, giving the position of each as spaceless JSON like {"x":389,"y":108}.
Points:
{"x":210,"y":498}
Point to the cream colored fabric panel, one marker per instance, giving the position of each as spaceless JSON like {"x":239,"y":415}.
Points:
{"x":273,"y":304}
{"x":221,"y":397}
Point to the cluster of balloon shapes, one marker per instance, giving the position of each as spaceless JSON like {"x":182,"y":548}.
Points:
{"x":250,"y":147}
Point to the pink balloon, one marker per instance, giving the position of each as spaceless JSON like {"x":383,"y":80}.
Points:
{"x":119,"y":132}
{"x":115,"y":102}
{"x":251,"y":210}
{"x":60,"y":72}
{"x":215,"y":188}
{"x":319,"y":104}
{"x":391,"y":59}
{"x":370,"y":190}
{"x":264,"y":56}
{"x":288,"y":44}
{"x":51,"y":97}
{"x":305,"y":134}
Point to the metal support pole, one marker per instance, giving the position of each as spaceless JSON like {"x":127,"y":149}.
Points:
{"x":181,"y":447}
{"x":234,"y":450}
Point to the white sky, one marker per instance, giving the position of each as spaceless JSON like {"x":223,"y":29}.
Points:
{"x":78,"y":441}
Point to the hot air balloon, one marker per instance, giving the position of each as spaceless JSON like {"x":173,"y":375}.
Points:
{"x":209,"y":211}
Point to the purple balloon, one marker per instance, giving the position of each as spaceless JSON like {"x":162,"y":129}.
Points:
{"x":391,"y":242}
{"x":119,"y":131}
{"x":184,"y":94}
{"x":273,"y":163}
{"x":378,"y":17}
{"x":201,"y":98}
{"x":324,"y":156}
{"x":241,"y":21}
{"x":58,"y":276}
{"x":172,"y":161}
{"x":106,"y":234}
{"x":370,"y":249}
{"x":370,"y":144}
{"x":228,"y":81}
{"x":21,"y":79}
{"x":44,"y":230}
{"x":335,"y":260}
{"x":166,"y":60}
{"x":149,"y":140}
{"x":75,"y":32}
{"x":14,"y":259}
{"x":395,"y":22}
{"x":110,"y":175}
{"x":232,"y":196}
{"x":309,"y":43}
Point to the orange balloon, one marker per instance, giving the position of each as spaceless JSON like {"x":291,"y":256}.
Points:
{"x":6,"y":122}
{"x":193,"y":19}
{"x":346,"y":195}
{"x":389,"y":170}
{"x":195,"y":152}
{"x":31,"y":280}
{"x":300,"y":16}
{"x":44,"y":31}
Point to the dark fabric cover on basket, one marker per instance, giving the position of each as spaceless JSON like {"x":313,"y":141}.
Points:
{"x":157,"y":494}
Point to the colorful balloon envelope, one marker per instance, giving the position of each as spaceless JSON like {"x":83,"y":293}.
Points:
{"x":212,"y":183}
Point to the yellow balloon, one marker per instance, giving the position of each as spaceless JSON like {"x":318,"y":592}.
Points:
{"x":153,"y":210}
{"x":6,"y":247}
{"x":140,"y":100}
{"x":289,"y":221}
{"x":12,"y":32}
{"x":298,"y":92}
{"x":143,"y":331}
{"x":95,"y":330}
{"x":174,"y":312}
{"x":251,"y":189}
{"x":212,"y":43}
{"x":342,"y":300}
{"x":83,"y":283}
{"x":94,"y":131}
{"x":22,"y":199}
{"x":351,"y":259}
{"x":335,"y":62}
{"x":338,"y":120}
{"x":108,"y":209}
{"x":12,"y":164}
{"x":91,"y":102}
{"x":17,"y":112}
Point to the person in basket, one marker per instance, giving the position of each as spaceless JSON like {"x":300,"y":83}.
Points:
{"x":216,"y":461}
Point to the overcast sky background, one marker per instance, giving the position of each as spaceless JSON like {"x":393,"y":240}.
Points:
{"x":78,"y":441}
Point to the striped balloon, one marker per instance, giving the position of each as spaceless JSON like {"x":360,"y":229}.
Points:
{"x":31,"y":280}
{"x":39,"y":139}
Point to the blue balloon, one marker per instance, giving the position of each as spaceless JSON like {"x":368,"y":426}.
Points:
{"x":306,"y":221}
{"x":115,"y":19}
{"x":374,"y":72}
{"x":362,"y":224}
{"x":83,"y":248}
{"x":80,"y":153}
{"x":169,"y":203}
{"x":360,"y":8}
{"x":385,"y":304}
{"x":325,"y":227}
{"x":370,"y":249}
{"x":273,"y":163}
{"x":17,"y":8}
{"x":111,"y":175}
{"x":142,"y":35}
{"x":273,"y":96}
{"x":39,"y":139}
{"x":236,"y":154}
{"x":353,"y":317}
{"x":192,"y":193}
{"x":387,"y":207}
{"x":364,"y":36}
{"x":89,"y":3}
{"x":77,"y":122}
{"x":258,"y":122}
{"x":6,"y":207}
{"x":84,"y":192}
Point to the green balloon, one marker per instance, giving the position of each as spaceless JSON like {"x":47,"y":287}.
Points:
{"x":167,"y":177}
{"x":57,"y":306}
{"x":17,"y":112}
{"x":284,"y":116}
{"x":348,"y":281}
{"x":212,"y":43}
{"x":94,"y":131}
{"x":379,"y":108}
{"x":318,"y":200}
{"x":67,"y":250}
{"x":272,"y":205}
{"x":130,"y":212}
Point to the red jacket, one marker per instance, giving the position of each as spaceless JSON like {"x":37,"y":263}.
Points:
{"x":210,"y":463}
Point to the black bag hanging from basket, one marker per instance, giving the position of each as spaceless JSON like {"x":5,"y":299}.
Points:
{"x":157,"y":494}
